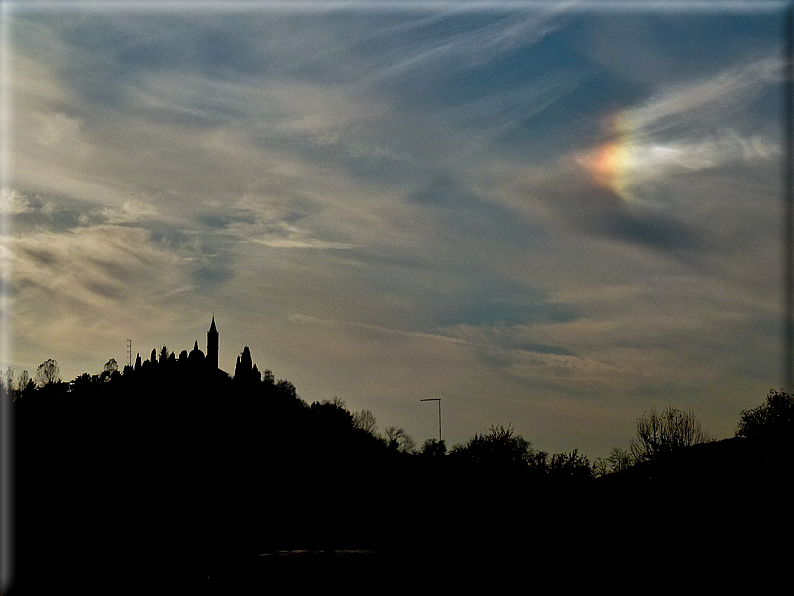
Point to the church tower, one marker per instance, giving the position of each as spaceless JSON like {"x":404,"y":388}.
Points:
{"x":212,"y":346}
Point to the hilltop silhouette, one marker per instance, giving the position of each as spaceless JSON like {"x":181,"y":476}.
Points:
{"x":171,"y":472}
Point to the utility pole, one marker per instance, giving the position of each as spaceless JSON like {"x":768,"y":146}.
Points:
{"x":438,"y":399}
{"x":129,"y":352}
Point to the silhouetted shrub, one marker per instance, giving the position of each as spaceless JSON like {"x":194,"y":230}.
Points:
{"x":663,"y":433}
{"x":772,"y":420}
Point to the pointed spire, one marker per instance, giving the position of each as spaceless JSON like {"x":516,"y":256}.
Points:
{"x":212,"y":344}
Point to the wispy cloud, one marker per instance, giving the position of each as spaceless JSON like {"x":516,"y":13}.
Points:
{"x":700,"y":125}
{"x":284,"y":235}
{"x":456,"y":48}
{"x":708,"y":103}
{"x":390,"y":205}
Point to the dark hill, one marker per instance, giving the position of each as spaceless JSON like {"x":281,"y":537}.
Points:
{"x":157,"y":479}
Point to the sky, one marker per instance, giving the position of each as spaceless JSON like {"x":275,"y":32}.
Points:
{"x":551,"y":216}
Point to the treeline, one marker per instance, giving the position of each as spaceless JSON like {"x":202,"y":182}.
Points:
{"x":168,"y":468}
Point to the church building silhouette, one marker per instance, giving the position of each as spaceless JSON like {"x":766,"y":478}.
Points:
{"x":210,"y":361}
{"x":196,"y":359}
{"x":199,"y":363}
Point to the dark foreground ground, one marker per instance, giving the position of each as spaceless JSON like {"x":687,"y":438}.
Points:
{"x":719,"y":520}
{"x":675,"y":556}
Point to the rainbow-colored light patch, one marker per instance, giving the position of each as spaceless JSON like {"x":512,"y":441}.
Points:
{"x":610,"y":164}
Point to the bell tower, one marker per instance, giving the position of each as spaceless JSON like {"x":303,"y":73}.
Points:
{"x":212,"y":346}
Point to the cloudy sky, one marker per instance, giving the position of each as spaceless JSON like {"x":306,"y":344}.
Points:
{"x":554,"y":216}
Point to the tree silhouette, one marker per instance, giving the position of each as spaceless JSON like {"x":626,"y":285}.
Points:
{"x":245,"y":371}
{"x":774,"y":419}
{"x":48,"y":372}
{"x":25,"y":385}
{"x":365,"y":420}
{"x":618,"y":460}
{"x":570,"y":466}
{"x":433,"y":448}
{"x":499,"y":448}
{"x":111,"y":366}
{"x":663,"y":433}
{"x":399,"y":440}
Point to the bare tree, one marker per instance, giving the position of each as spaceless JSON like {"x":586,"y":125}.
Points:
{"x":670,"y":430}
{"x":336,"y":401}
{"x":397,"y":438}
{"x":48,"y":372}
{"x":619,"y":459}
{"x":365,"y":420}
